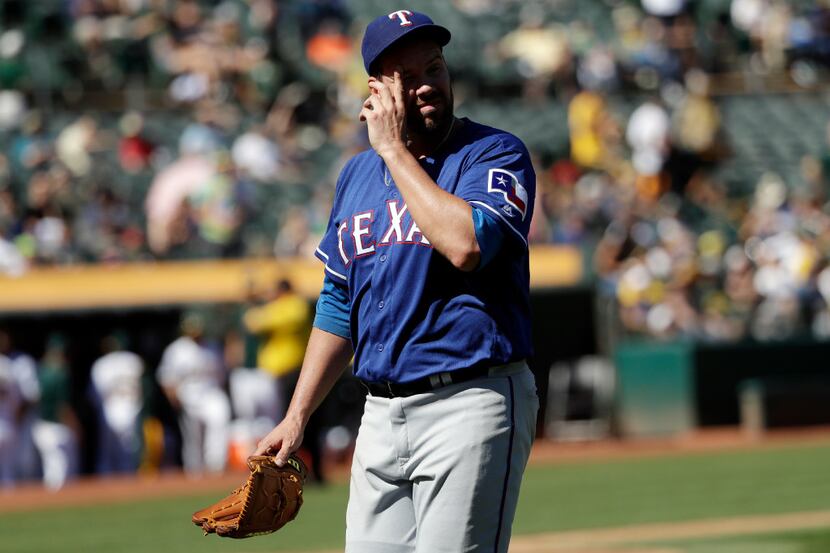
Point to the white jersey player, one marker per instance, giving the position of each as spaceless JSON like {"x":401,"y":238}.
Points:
{"x":191,"y":376}
{"x":116,"y":379}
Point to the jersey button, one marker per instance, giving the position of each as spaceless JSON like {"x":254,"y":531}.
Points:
{"x":382,"y":257}
{"x":380,"y":304}
{"x":380,"y":347}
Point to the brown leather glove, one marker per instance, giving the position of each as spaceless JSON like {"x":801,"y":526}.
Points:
{"x":267,"y":501}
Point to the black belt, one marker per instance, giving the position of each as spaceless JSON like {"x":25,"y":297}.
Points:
{"x":425,"y":384}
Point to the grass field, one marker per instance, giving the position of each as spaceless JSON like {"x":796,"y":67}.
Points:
{"x":556,"y":498}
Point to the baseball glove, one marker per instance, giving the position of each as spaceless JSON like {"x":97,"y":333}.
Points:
{"x":269,"y":499}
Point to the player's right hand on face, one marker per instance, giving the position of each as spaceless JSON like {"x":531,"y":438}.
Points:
{"x":282,"y":441}
{"x":384,"y":112}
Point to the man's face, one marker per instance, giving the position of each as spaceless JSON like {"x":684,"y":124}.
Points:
{"x":426,"y":84}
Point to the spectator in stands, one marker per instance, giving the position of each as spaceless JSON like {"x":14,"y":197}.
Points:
{"x":134,"y":150}
{"x":541,"y":51}
{"x":12,"y":261}
{"x":218,"y":207}
{"x":597,"y":69}
{"x":664,"y":8}
{"x":103,"y":226}
{"x":648,"y":137}
{"x":75,"y":144}
{"x":8,"y":211}
{"x":192,"y":378}
{"x":768,"y":24}
{"x":31,"y":147}
{"x":594,"y":135}
{"x":257,"y":156}
{"x":647,"y":54}
{"x":316,"y":13}
{"x":478,"y":7}
{"x":696,"y":121}
{"x":167,"y":214}
{"x":329,"y":48}
{"x":294,"y":235}
{"x":12,"y":109}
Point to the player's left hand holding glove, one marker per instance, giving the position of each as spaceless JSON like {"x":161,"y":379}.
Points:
{"x":269,"y":499}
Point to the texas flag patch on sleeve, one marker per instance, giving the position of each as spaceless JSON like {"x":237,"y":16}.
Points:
{"x":507,"y":184}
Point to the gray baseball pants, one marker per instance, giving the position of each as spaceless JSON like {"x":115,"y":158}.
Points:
{"x":441,"y":471}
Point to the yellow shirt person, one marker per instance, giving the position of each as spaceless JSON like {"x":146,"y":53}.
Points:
{"x":284,"y":325}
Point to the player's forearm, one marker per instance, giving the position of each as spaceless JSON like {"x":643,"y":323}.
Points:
{"x":327,"y":355}
{"x":445,"y":219}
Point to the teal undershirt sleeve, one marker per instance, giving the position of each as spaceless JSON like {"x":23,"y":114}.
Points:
{"x":333,"y":308}
{"x":489,"y":234}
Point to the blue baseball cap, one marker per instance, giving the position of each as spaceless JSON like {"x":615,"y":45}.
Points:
{"x":386,"y":30}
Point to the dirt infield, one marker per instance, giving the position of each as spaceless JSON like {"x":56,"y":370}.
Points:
{"x":725,"y":439}
{"x":94,"y":491}
{"x":99,"y":491}
{"x":621,"y":539}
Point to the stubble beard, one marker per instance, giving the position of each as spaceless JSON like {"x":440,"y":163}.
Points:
{"x":430,"y":127}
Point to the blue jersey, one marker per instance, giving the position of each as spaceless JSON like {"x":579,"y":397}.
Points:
{"x":412,"y":313}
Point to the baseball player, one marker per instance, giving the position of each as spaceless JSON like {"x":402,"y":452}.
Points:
{"x":24,"y":372}
{"x":56,"y":432}
{"x":115,"y":378}
{"x":191,"y":376}
{"x":426,"y":265}
{"x":10,"y":404}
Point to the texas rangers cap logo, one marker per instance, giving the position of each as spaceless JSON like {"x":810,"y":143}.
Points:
{"x":507,"y":184}
{"x":402,"y":16}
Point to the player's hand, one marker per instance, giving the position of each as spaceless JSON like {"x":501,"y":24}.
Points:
{"x":282,"y":441}
{"x":384,"y":112}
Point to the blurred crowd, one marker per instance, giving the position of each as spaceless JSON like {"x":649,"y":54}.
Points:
{"x":164,"y":129}
{"x":678,"y":251}
{"x":159,"y":129}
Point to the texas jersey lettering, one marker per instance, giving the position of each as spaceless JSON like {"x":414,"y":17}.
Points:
{"x":353,"y":233}
{"x":417,"y":302}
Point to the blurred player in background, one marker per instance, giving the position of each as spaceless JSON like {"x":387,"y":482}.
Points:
{"x":191,"y":376}
{"x":56,"y":433}
{"x":23,"y":369}
{"x":282,"y":326}
{"x":10,"y":403}
{"x":115,"y":379}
